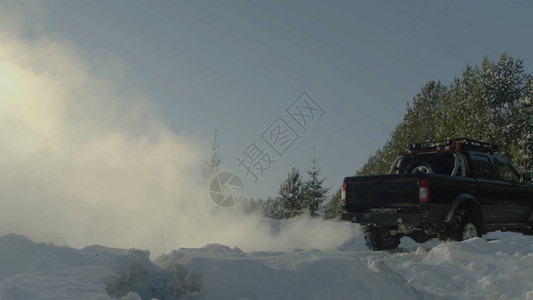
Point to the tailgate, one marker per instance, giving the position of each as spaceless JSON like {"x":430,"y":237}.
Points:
{"x":366,"y":193}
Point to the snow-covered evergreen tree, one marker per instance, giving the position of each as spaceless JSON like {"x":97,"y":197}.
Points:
{"x":314,"y":191}
{"x":465,"y":113}
{"x":423,"y":117}
{"x":290,"y":198}
{"x":504,"y":83}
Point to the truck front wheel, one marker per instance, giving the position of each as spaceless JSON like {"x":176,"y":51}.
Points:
{"x":379,"y":238}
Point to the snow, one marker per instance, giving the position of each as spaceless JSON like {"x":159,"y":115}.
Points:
{"x":496,"y":266}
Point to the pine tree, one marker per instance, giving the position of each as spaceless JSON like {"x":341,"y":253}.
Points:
{"x":423,"y":118}
{"x":465,"y":112}
{"x":314,"y":191}
{"x":378,"y":163}
{"x":504,"y":83}
{"x":290,"y":198}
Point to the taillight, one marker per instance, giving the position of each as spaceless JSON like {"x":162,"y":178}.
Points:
{"x":423,"y":190}
{"x":343,"y":193}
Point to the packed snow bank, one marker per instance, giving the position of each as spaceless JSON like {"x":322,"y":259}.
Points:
{"x":497,"y":266}
{"x":232,"y":274}
{"x":44,"y":271}
{"x":475,"y":269}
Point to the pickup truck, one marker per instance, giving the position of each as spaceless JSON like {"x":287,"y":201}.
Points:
{"x":452,"y":190}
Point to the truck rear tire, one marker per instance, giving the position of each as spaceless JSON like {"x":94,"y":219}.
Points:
{"x":379,"y":238}
{"x":467,"y":225}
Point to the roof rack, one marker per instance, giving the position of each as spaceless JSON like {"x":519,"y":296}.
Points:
{"x":453,"y":145}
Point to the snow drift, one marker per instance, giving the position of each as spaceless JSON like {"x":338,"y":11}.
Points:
{"x":498,"y":266}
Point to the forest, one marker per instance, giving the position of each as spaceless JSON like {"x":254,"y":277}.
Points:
{"x":490,"y":102}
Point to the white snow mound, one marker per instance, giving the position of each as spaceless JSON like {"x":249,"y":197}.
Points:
{"x":497,"y":266}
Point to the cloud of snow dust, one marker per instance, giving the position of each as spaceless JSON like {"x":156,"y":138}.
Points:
{"x":85,"y":159}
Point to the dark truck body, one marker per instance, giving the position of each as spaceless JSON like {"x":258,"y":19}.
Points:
{"x":435,"y":190}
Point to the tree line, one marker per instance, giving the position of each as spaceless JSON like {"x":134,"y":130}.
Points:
{"x":491,"y":102}
{"x":297,"y":196}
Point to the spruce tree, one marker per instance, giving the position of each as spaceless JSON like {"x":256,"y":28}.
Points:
{"x":504,"y":83}
{"x":290,"y":198}
{"x":314,"y":191}
{"x":423,"y":118}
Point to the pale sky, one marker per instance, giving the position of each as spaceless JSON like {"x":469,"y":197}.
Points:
{"x":236,"y":66}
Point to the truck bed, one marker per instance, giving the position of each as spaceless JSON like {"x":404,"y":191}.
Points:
{"x":395,"y":199}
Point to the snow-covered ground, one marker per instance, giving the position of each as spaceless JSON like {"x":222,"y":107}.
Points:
{"x":497,"y":266}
